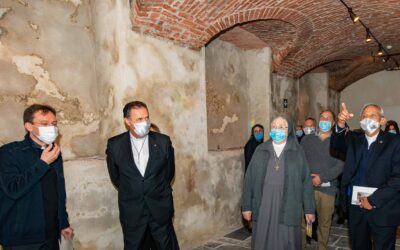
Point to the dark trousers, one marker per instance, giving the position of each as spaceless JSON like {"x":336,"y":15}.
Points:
{"x":364,"y":232}
{"x":48,"y":245}
{"x":164,"y":235}
{"x":149,"y":242}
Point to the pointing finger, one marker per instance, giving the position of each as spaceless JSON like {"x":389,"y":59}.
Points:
{"x":344,"y":108}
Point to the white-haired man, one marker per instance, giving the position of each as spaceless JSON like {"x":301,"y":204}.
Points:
{"x":371,"y":179}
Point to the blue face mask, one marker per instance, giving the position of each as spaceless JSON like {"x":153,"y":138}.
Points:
{"x":259,"y":136}
{"x":299,"y":133}
{"x":325,"y":126}
{"x":277,"y":135}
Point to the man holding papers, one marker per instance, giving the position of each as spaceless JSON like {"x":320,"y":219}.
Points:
{"x":371,"y":178}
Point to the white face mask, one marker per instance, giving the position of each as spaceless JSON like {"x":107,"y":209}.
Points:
{"x":308,"y":130}
{"x":369,"y":125}
{"x":48,"y":134}
{"x":142,"y":128}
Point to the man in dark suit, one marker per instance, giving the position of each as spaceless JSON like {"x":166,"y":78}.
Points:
{"x":372,"y":160}
{"x":141,"y":166}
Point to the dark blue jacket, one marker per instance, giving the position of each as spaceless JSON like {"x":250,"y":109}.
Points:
{"x":22,"y":218}
{"x":382,"y":171}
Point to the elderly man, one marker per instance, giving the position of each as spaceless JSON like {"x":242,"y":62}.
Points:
{"x":141,"y":166}
{"x":325,"y":169}
{"x":32,"y":189}
{"x":371,"y":178}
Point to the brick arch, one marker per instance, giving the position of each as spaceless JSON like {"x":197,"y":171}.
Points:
{"x":324,"y":29}
{"x":287,"y":15}
{"x":297,"y":19}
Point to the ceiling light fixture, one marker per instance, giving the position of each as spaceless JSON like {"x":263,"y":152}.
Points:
{"x":382,"y":52}
{"x":353,"y":16}
{"x":368,"y":37}
{"x":386,"y":58}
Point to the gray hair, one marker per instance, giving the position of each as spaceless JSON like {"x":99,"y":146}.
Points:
{"x":373,"y":105}
{"x":282,"y":119}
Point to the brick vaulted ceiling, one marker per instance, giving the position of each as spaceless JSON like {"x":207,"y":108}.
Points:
{"x":303,"y":34}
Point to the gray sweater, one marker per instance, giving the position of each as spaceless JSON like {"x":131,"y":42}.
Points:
{"x":297,"y":189}
{"x":321,"y":161}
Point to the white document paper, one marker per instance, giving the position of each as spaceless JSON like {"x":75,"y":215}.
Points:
{"x":326,"y":184}
{"x":359,"y":192}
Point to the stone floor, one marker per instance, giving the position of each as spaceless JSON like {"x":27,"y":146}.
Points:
{"x":240,"y":239}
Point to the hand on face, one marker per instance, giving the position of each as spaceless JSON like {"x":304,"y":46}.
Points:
{"x":50,"y":153}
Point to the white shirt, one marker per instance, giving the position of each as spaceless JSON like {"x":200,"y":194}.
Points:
{"x":140,"y":151}
{"x":278,"y":148}
{"x":371,"y":139}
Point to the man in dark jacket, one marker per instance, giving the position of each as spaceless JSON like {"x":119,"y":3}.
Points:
{"x":372,"y":162}
{"x":32,"y":188}
{"x":141,"y":166}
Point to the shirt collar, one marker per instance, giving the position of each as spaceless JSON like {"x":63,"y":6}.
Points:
{"x":372,"y":139}
{"x":133,"y":138}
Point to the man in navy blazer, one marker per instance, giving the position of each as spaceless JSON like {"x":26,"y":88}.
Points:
{"x":372,"y":160}
{"x":141,"y":166}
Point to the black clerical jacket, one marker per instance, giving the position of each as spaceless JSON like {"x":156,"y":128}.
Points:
{"x":382,"y":171}
{"x":136,"y":192}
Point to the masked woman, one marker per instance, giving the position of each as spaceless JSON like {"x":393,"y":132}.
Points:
{"x":256,"y":138}
{"x":277,"y":187}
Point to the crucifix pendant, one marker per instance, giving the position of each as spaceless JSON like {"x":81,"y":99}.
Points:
{"x":276,"y":167}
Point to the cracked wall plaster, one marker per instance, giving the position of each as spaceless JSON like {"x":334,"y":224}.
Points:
{"x":47,"y":58}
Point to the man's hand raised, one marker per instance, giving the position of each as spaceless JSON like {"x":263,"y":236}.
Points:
{"x":50,"y":154}
{"x":344,"y":116}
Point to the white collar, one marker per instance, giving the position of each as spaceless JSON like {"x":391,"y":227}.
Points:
{"x":282,"y":145}
{"x":371,"y":139}
{"x":135,"y":139}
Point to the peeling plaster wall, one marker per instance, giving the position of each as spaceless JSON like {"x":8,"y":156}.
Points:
{"x":258,"y":68}
{"x":227,"y":101}
{"x":381,"y":88}
{"x":171,"y":80}
{"x":92,"y":205}
{"x":83,"y":58}
{"x":238,"y":90}
{"x":283,"y":87}
{"x":306,"y":96}
{"x":46,"y":56}
{"x":315,"y":96}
